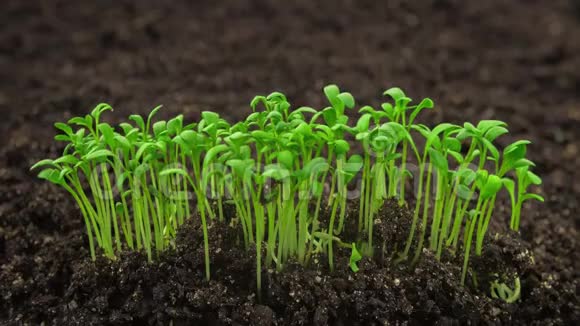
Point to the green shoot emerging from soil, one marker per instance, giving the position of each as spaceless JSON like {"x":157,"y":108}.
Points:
{"x":288,"y":174}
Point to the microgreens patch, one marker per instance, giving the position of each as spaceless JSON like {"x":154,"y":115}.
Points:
{"x":133,"y":183}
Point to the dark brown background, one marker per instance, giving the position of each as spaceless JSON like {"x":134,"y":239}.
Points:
{"x":518,"y":61}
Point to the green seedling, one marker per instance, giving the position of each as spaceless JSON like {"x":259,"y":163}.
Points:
{"x":288,"y":172}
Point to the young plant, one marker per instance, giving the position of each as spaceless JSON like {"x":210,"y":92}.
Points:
{"x":514,"y":159}
{"x":277,"y":167}
{"x":398,"y":114}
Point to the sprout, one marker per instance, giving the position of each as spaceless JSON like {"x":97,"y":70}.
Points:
{"x":280,"y":167}
{"x":504,"y":292}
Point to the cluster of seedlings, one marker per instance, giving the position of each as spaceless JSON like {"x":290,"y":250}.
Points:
{"x":136,"y":184}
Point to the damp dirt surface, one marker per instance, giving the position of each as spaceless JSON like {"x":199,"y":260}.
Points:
{"x":511,"y":60}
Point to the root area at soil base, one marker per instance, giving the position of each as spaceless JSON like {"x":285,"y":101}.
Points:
{"x":130,"y":290}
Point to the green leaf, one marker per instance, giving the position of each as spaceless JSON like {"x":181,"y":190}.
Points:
{"x":315,"y":167}
{"x":133,"y":135}
{"x":389,"y":110}
{"x":457,"y":156}
{"x":99,"y":109}
{"x":97,"y":154}
{"x":276,"y":97}
{"x":175,"y":125}
{"x":282,"y":106}
{"x":89,"y":120}
{"x":253,"y":117}
{"x":523,"y":163}
{"x":485,"y":125}
{"x":241,"y":167}
{"x":463,"y":134}
{"x":142,"y":149}
{"x":108,"y":133}
{"x":492,"y":186}
{"x":341,"y":146}
{"x":138,"y":120}
{"x":341,"y":127}
{"x":64,"y":172}
{"x":79,"y":121}
{"x":362,"y":135}
{"x":438,"y":160}
{"x":245,"y":151}
{"x":533,"y":196}
{"x":51,"y":175}
{"x":422,"y":129}
{"x":343,"y":120}
{"x":352,"y":167}
{"x":356,"y":160}
{"x":516,"y":146}
{"x":534,"y":178}
{"x":452,"y":144}
{"x":509,"y":185}
{"x":119,"y":208}
{"x":210,"y":117}
{"x":170,"y":171}
{"x":140,"y":169}
{"x":426,"y":103}
{"x":380,"y":143}
{"x":491,"y":148}
{"x":126,"y":127}
{"x":347,"y":99}
{"x":395,"y":93}
{"x":471,"y":129}
{"x":121,"y":179}
{"x":305,"y":109}
{"x":467,"y":175}
{"x":286,"y":159}
{"x":159,"y":127}
{"x":213,"y":152}
{"x":262,"y":135}
{"x":161,"y":145}
{"x":62,"y":137}
{"x":188,"y":138}
{"x":494,"y":132}
{"x":355,"y":257}
{"x":274,"y":116}
{"x":367,"y":109}
{"x":64,"y":127}
{"x":463,"y":191}
{"x":331,"y":92}
{"x":256,"y":100}
{"x":363,"y":122}
{"x":275,"y":172}
{"x":329,"y":115}
{"x":444,"y":128}
{"x":67,"y":159}
{"x":393,"y":130}
{"x":317,"y":188}
{"x":42,"y":163}
{"x":433,"y":142}
{"x":121,"y":140}
{"x":152,"y":114}
{"x":238,"y":137}
{"x":303,"y":129}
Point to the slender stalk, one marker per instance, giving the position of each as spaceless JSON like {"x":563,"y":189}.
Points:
{"x":418,"y":203}
{"x":425,"y":214}
{"x":468,"y":240}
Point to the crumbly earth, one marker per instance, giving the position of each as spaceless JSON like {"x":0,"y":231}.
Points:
{"x":493,"y":59}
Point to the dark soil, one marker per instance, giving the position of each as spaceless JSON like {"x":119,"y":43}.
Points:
{"x":514,"y":61}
